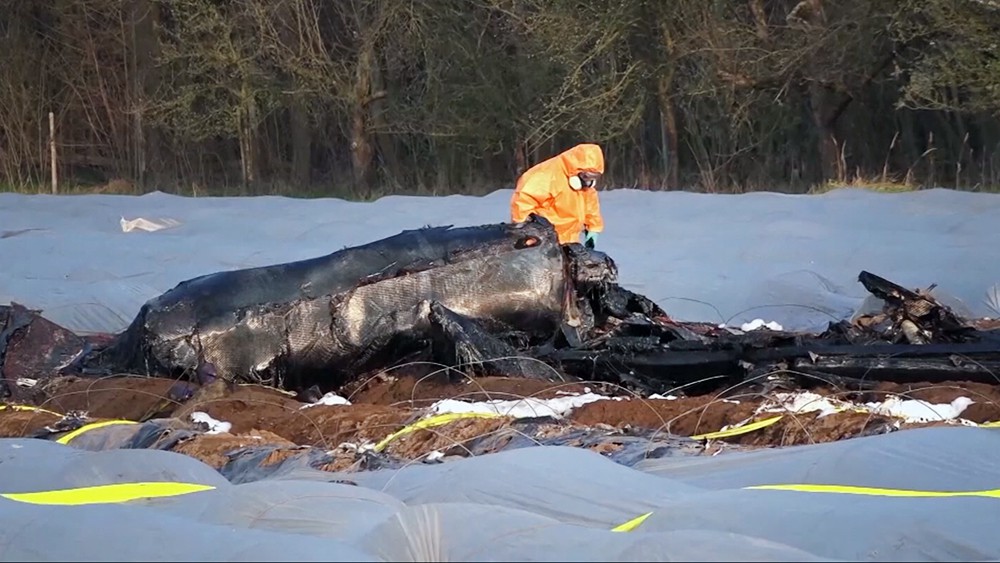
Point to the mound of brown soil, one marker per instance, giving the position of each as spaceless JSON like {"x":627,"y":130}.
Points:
{"x":131,"y":398}
{"x":262,"y":416}
{"x":212,"y":448}
{"x":19,"y":423}
{"x":686,"y":417}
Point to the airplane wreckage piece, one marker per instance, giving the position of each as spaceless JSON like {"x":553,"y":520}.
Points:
{"x":474,"y":298}
{"x":503,"y":299}
{"x":913,"y":338}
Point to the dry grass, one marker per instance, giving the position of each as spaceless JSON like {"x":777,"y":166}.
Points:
{"x":874,"y":184}
{"x":877,"y":183}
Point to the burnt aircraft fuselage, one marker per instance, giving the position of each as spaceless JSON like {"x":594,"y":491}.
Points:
{"x":328,"y":318}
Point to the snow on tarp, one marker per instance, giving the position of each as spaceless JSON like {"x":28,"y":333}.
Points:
{"x":731,"y":259}
{"x":540,"y":503}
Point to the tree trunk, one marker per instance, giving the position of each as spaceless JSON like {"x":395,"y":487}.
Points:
{"x":362,"y":147}
{"x":668,"y":118}
{"x":294,"y":38}
{"x":668,"y":114}
{"x":301,"y":145}
{"x":442,"y":156}
{"x":385,"y":143}
{"x":247,"y":137}
{"x":822,"y":107}
{"x":520,"y":156}
{"x":137,"y":19}
{"x":759,"y":19}
{"x":911,"y":136}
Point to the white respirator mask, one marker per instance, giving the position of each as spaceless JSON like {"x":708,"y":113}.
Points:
{"x":577,"y":183}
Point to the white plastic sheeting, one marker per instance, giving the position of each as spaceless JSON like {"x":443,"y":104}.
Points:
{"x":793,"y":260}
{"x":529,"y":504}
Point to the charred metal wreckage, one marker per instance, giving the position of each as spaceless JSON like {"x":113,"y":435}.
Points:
{"x":503,"y":299}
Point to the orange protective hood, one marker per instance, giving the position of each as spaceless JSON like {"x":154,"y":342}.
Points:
{"x":585,"y":157}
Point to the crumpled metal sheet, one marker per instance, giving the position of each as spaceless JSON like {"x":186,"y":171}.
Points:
{"x":32,"y":347}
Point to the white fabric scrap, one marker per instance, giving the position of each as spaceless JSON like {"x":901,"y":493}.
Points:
{"x":148,"y":225}
{"x":214,"y":426}
{"x":760,"y":323}
{"x":330,"y":399}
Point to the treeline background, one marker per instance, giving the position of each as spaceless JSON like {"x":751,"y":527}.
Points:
{"x":361,"y":98}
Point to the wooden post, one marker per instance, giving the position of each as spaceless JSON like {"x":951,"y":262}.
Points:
{"x":52,"y":149}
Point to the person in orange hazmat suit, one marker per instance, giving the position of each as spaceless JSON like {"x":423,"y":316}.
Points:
{"x":563,"y":190}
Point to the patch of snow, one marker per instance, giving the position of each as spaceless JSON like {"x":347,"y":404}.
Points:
{"x":760,"y":323}
{"x":906,"y":410}
{"x":664,"y":397}
{"x":330,"y":399}
{"x":803,"y":402}
{"x":435,"y":455}
{"x":528,"y":407}
{"x":214,"y":426}
{"x":914,"y":410}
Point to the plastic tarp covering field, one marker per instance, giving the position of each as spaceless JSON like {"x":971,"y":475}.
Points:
{"x":921,"y":495}
{"x":792,"y":259}
{"x":924,"y":494}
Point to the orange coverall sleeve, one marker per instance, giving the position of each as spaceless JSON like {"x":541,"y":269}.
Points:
{"x":529,"y":198}
{"x":593,"y":219}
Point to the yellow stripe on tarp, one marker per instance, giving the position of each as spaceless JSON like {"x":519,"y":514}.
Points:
{"x":28,"y":408}
{"x":107,"y":494}
{"x":993,"y":424}
{"x":631,"y":524}
{"x":875,"y":491}
{"x":65,"y":439}
{"x":436,"y":420}
{"x":739,"y":430}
